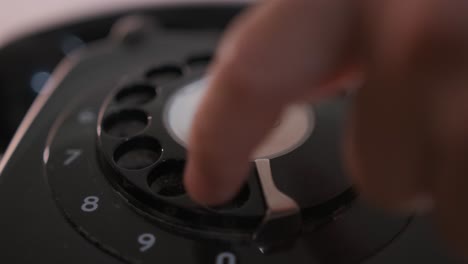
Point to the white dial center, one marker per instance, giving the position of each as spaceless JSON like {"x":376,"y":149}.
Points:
{"x":293,"y":128}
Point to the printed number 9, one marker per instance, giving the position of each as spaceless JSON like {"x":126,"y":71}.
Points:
{"x":146,"y":241}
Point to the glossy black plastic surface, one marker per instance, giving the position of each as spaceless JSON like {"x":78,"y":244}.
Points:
{"x":66,"y":198}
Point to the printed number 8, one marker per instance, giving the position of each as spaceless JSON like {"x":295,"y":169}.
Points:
{"x":90,"y":204}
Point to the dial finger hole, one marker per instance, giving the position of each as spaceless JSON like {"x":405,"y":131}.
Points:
{"x":167,"y":179}
{"x":137,"y":94}
{"x":138,"y":153}
{"x":164,"y":74}
{"x":200,"y":62}
{"x":125,"y":123}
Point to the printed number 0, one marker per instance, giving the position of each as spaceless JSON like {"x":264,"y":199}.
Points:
{"x":90,"y":204}
{"x":146,"y":241}
{"x":226,"y":258}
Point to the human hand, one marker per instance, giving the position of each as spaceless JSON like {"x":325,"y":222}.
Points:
{"x":406,"y":145}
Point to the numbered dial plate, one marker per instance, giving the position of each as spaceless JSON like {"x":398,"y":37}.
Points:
{"x":115,"y":172}
{"x":146,"y":164}
{"x":146,"y":159}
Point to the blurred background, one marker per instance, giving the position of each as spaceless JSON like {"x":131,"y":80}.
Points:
{"x":36,"y":35}
{"x":23,"y":16}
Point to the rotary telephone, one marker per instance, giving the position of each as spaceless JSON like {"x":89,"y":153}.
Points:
{"x":94,"y":172}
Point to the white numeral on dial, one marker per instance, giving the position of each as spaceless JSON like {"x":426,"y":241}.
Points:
{"x":90,"y":204}
{"x":72,"y":155}
{"x":146,"y":241}
{"x":226,"y":258}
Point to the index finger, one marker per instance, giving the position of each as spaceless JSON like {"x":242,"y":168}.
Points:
{"x":273,"y":56}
